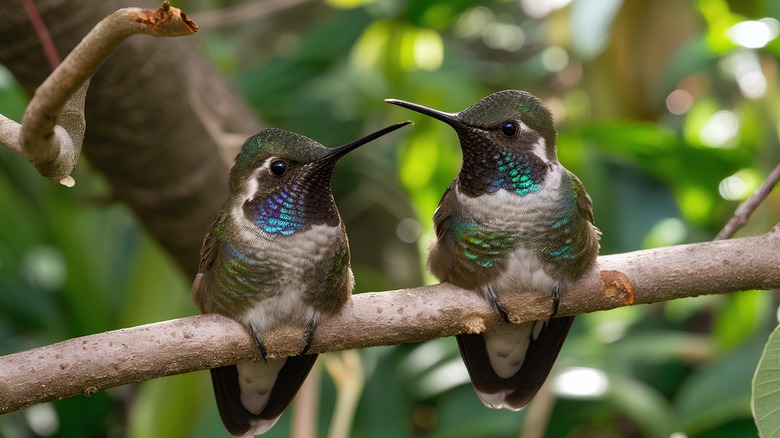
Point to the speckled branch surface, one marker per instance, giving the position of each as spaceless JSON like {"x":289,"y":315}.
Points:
{"x":93,"y":363}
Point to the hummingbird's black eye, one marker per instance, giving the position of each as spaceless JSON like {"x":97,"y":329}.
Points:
{"x":509,"y":129}
{"x":278,"y":167}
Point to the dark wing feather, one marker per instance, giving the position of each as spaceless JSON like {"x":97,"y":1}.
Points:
{"x":443,"y":214}
{"x":439,"y":256}
{"x":584,"y":203}
{"x":208,"y":254}
{"x":228,"y":394}
{"x":291,"y":377}
{"x":521,"y":387}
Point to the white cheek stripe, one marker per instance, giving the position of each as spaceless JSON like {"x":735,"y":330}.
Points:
{"x":540,"y":147}
{"x":249,"y":191}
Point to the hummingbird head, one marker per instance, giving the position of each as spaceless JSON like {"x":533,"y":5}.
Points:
{"x":507,"y":138}
{"x":282,"y":180}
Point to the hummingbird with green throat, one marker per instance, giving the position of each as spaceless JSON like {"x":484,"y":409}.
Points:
{"x":513,"y":220}
{"x":276,"y":254}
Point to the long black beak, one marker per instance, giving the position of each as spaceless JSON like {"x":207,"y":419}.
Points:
{"x":340,"y":151}
{"x":449,"y":118}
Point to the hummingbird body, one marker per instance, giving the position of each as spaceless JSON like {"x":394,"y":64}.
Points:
{"x":513,"y":220}
{"x":276,"y":254}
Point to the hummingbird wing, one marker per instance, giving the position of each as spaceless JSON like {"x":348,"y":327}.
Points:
{"x":238,"y":420}
{"x":208,"y":253}
{"x":495,"y":388}
{"x":571,"y":240}
{"x":443,"y":213}
{"x":440,"y":258}
{"x":584,"y":203}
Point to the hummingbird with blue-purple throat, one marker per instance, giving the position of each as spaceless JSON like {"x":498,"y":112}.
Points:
{"x":514,"y":220}
{"x":276,"y":254}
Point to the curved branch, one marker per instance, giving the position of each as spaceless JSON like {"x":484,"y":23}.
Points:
{"x":741,"y":216}
{"x":52,"y":128}
{"x":144,"y":136}
{"x":93,"y":363}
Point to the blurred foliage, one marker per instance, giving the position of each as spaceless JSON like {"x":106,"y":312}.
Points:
{"x":668,"y":111}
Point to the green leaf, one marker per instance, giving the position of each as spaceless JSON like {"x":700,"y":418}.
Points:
{"x":765,"y":402}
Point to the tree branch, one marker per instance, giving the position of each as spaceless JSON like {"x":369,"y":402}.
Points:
{"x":43,"y":33}
{"x":53,"y":125}
{"x":144,"y":136}
{"x":93,"y":363}
{"x":747,"y":208}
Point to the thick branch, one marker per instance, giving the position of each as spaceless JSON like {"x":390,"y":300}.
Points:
{"x":93,"y":363}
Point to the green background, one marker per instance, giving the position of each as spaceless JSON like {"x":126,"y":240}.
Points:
{"x":663,"y":112}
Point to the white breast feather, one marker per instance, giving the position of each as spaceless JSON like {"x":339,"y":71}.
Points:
{"x":287,"y":304}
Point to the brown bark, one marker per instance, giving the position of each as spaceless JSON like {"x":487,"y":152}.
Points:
{"x":93,"y":363}
{"x":152,"y":111}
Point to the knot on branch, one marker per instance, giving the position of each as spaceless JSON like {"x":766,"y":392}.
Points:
{"x":618,"y":286}
{"x":166,"y":21}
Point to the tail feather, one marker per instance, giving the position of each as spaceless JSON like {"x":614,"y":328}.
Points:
{"x":516,"y":391}
{"x":236,"y":418}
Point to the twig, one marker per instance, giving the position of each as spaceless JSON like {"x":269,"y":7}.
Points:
{"x":93,"y":363}
{"x":53,"y":124}
{"x":747,"y":208}
{"x":538,"y":417}
{"x":306,"y":408}
{"x":43,"y":33}
{"x":346,"y":370}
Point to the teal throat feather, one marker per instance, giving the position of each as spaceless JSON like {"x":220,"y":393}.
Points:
{"x":514,"y":175}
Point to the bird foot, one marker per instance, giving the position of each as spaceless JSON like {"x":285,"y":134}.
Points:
{"x":556,"y":299}
{"x":496,"y":304}
{"x":258,"y":342}
{"x":308,"y":336}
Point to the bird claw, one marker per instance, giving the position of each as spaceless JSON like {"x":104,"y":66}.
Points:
{"x":258,"y":342}
{"x":556,"y":300}
{"x":496,"y":304}
{"x":308,"y":336}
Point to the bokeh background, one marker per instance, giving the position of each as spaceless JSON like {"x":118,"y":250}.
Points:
{"x":667,"y":110}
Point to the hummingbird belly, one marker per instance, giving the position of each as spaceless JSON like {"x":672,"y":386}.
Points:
{"x":496,"y":238}
{"x":524,"y":271}
{"x":305,"y":278}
